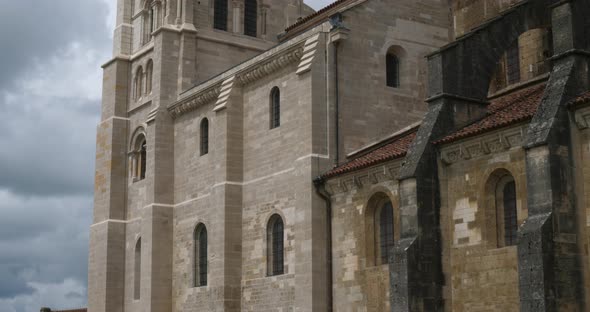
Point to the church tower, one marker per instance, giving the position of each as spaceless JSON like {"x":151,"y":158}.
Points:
{"x":161,"y":48}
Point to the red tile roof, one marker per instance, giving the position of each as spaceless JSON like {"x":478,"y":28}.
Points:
{"x":582,"y":99}
{"x":506,"y":110}
{"x":393,"y":148}
{"x":315,"y":18}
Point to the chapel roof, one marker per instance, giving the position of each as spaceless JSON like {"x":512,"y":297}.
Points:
{"x":503,"y":111}
{"x":392,"y":148}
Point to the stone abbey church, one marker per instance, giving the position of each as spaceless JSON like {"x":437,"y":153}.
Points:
{"x":375,"y":155}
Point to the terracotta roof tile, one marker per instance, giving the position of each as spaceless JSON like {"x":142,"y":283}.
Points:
{"x":394,"y":148}
{"x":582,"y":99}
{"x":315,"y":18}
{"x":506,"y":110}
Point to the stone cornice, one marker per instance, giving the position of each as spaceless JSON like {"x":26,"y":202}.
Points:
{"x":192,"y":103}
{"x":364,"y":178}
{"x":489,"y":143}
{"x":258,"y":69}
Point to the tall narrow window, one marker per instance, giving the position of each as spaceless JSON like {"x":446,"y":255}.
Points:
{"x":153,"y":19}
{"x":149,"y":76}
{"x":513,"y":63}
{"x":510,"y":218}
{"x":250,"y":18}
{"x":138,"y":83}
{"x":137,"y":271}
{"x":142,"y":160}
{"x":200,"y":256}
{"x":275,"y":108}
{"x":220,"y":14}
{"x":275,"y":245}
{"x":204,"y":136}
{"x":392,"y":68}
{"x":385,"y":238}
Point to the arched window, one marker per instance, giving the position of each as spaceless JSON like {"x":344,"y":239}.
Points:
{"x":204,"y":136}
{"x":138,"y":156}
{"x":138,"y":87}
{"x":379,"y":229}
{"x":275,"y":108}
{"x":392,"y":68}
{"x":137,"y":271}
{"x":200,"y":256}
{"x":142,"y":160}
{"x":250,"y":18}
{"x":275,"y":245}
{"x":501,"y":214}
{"x":220,"y":14}
{"x":508,"y":220}
{"x":149,"y":76}
{"x":385,"y":233}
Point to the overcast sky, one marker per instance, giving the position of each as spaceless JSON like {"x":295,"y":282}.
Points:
{"x":50,"y":86}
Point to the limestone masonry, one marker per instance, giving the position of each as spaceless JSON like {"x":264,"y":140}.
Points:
{"x":376,"y":155}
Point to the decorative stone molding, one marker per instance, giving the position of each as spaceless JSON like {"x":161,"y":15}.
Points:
{"x":363,"y":178}
{"x":269,"y":67}
{"x":484,"y":145}
{"x":309,"y":51}
{"x":152,"y":115}
{"x":192,"y":103}
{"x":226,"y":89}
{"x":582,"y":118}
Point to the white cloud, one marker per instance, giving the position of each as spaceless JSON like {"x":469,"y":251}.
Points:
{"x":67,"y":294}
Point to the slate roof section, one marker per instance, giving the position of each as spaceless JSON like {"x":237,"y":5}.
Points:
{"x":314,"y":19}
{"x":393,"y":148}
{"x":506,"y":110}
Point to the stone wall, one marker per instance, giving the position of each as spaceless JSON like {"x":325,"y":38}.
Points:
{"x":480,"y":275}
{"x":414,"y":29}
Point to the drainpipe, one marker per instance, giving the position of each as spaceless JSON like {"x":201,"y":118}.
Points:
{"x":321,"y":191}
{"x":336,"y":106}
{"x":338,"y":33}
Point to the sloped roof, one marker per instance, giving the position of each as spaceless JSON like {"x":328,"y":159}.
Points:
{"x":581,"y":99}
{"x":506,"y":110}
{"x":315,"y":18}
{"x":393,"y":148}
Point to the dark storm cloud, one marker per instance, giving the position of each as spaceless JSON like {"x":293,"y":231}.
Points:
{"x":47,"y":242}
{"x":32,"y":30}
{"x":50,"y":56}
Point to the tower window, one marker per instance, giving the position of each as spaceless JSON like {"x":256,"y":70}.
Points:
{"x":220,"y":15}
{"x":250,"y":18}
{"x":392,"y":68}
{"x":513,"y":63}
{"x":204,"y":136}
{"x":138,"y":156}
{"x":275,"y":245}
{"x":143,"y":160}
{"x":137,"y":271}
{"x":149,"y":76}
{"x":275,"y":108}
{"x":200,"y":256}
{"x":138,"y":87}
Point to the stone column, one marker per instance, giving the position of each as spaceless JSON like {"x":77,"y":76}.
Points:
{"x":238,"y":18}
{"x":106,"y":268}
{"x":550,"y":272}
